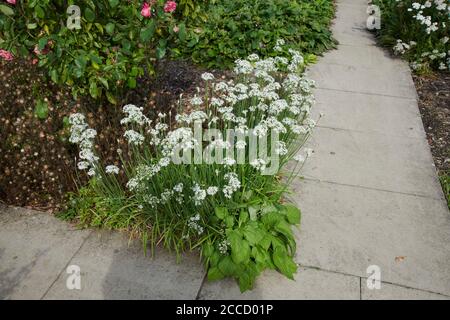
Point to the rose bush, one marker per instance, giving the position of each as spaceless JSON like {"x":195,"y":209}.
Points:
{"x":114,"y":42}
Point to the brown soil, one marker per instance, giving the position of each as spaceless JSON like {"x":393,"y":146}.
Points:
{"x":434,"y":105}
{"x":37,"y":163}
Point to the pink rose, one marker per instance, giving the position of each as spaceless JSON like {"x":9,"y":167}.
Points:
{"x":11,"y":1}
{"x":6,"y":55}
{"x":146,"y":10}
{"x":170,"y":6}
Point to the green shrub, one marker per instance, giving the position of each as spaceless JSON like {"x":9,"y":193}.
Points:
{"x":418,"y":30}
{"x":235,"y":29}
{"x":109,"y":52}
{"x":227,"y":203}
{"x":192,"y":9}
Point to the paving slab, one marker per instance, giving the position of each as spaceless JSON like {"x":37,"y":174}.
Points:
{"x":373,"y":160}
{"x":34,"y":248}
{"x":113,"y":268}
{"x":369,"y":113}
{"x":346,"y":77}
{"x":393,"y":292}
{"x":347,"y":229}
{"x":365,"y":59}
{"x":308,"y":284}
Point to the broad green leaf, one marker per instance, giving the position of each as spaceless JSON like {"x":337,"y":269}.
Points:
{"x":182,"y":32}
{"x":42,"y":43}
{"x":227,"y":266}
{"x":39,"y":12}
{"x":6,"y":10}
{"x":284,"y":262}
{"x":147,"y":32}
{"x":271,"y":218}
{"x":111,"y":98}
{"x":221,"y":212}
{"x":54,"y":75}
{"x":93,"y":90}
{"x":104,"y":82}
{"x":292,"y":213}
{"x":284,"y":228}
{"x":110,"y":28}
{"x":229,"y":221}
{"x":89,"y":15}
{"x":241,"y":252}
{"x":132,"y":83}
{"x":253,"y":234}
{"x":113,"y":3}
{"x":243,"y":216}
{"x":215,"y":274}
{"x":245,"y":282}
{"x":207,"y":250}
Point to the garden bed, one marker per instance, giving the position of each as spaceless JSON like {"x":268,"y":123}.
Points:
{"x":434,"y":105}
{"x":92,"y":122}
{"x":37,"y":162}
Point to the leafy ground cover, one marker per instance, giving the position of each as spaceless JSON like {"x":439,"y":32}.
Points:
{"x":235,"y":29}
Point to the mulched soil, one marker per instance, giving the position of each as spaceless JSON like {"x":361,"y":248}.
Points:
{"x":37,"y":163}
{"x":434,"y":105}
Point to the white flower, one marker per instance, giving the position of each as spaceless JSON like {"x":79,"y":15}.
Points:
{"x":207,"y":76}
{"x":258,"y":164}
{"x":193,"y":224}
{"x":112,"y":169}
{"x":91,"y":172}
{"x":77,"y":119}
{"x":233,"y":184}
{"x":134,"y":115}
{"x":83,"y":165}
{"x":281,"y":148}
{"x":134,"y":137}
{"x":253,"y":57}
{"x":212,"y":191}
{"x":196,"y":101}
{"x":178,"y":188}
{"x":199,"y":194}
{"x":243,"y":67}
{"x":229,"y":162}
{"x":223,"y":246}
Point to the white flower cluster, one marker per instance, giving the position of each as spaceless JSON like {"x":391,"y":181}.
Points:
{"x":400,"y":48}
{"x":81,"y":134}
{"x":267,"y":96}
{"x":434,"y":17}
{"x":195,"y":225}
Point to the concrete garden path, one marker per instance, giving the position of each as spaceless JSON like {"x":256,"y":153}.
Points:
{"x":370,"y":197}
